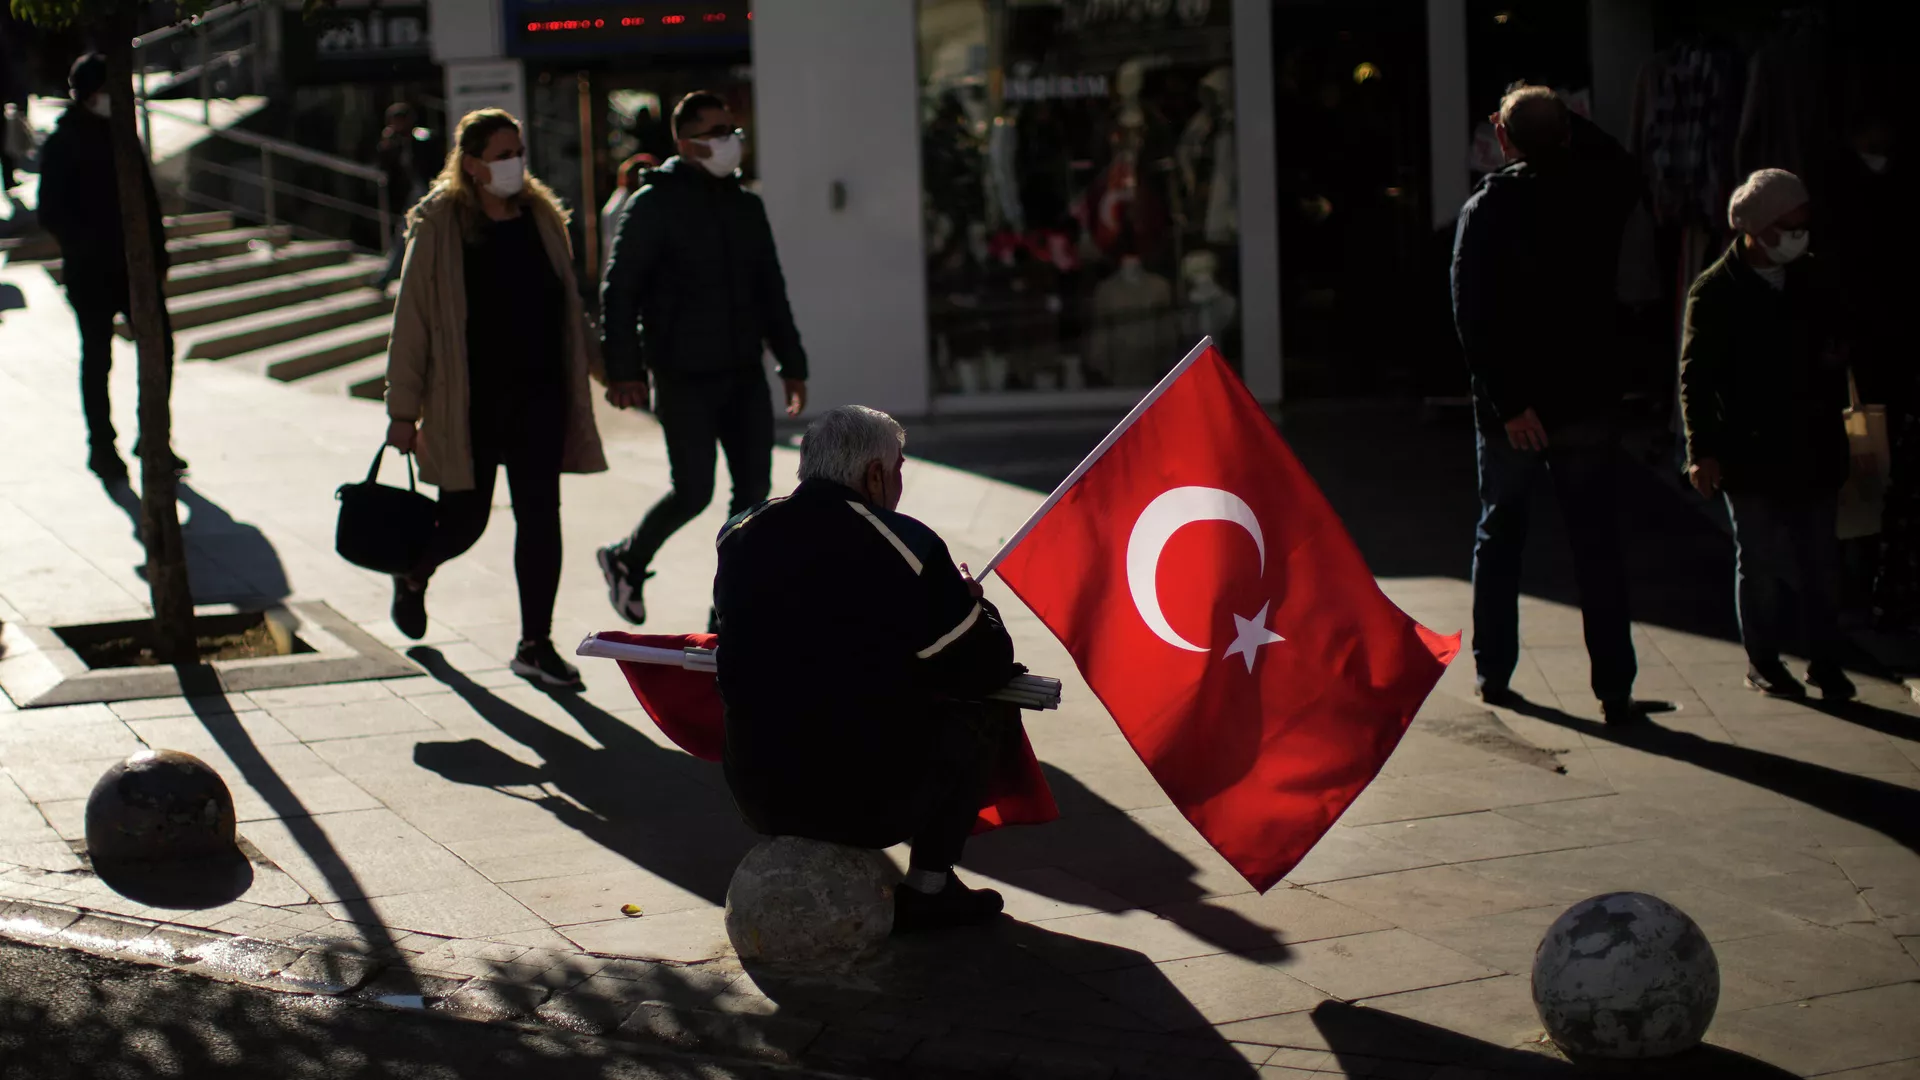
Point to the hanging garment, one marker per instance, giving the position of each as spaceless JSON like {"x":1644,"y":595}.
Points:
{"x":1685,"y":118}
{"x":1134,"y":339}
{"x":1785,"y":114}
{"x":1004,"y":173}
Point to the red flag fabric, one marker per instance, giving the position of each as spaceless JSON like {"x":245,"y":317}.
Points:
{"x":687,"y":707}
{"x":1218,"y":609}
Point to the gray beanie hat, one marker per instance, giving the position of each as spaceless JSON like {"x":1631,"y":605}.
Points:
{"x":1766,"y":197}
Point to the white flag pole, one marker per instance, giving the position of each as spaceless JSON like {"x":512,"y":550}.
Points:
{"x":1113,"y":436}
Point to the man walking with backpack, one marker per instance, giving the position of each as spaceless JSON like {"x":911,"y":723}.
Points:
{"x":692,"y":299}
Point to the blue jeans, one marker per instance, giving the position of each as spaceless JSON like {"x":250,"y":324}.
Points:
{"x":1781,"y":542}
{"x":1583,"y":471}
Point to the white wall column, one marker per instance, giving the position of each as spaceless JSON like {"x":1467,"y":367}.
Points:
{"x":1447,"y":108}
{"x":1259,"y":199}
{"x":837,"y":134}
{"x":467,"y":44}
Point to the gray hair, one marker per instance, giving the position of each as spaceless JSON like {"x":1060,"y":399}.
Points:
{"x":844,"y":441}
{"x":1535,"y":118}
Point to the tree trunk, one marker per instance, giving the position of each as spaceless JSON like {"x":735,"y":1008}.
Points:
{"x":173,"y":633}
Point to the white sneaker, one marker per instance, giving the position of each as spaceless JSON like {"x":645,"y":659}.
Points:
{"x":622,"y":592}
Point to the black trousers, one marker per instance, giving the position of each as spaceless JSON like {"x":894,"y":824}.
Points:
{"x":732,"y":409}
{"x":531,"y":452}
{"x":96,"y":299}
{"x":941,"y":792}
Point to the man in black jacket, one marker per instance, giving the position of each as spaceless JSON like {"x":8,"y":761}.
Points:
{"x":692,"y":299}
{"x":1762,"y":386}
{"x":80,"y":206}
{"x":847,"y":634}
{"x":1534,"y":268}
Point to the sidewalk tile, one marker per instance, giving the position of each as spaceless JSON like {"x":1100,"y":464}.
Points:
{"x":329,"y":694}
{"x":462,"y":911}
{"x":598,"y":897}
{"x":1893,"y":1070}
{"x":384,"y":716}
{"x":190,"y":733}
{"x":1443,"y":894}
{"x":1081,"y":942}
{"x":1383,"y":962}
{"x":1458,"y":838}
{"x":160,"y":708}
{"x":1285,"y":914}
{"x":53,"y":781}
{"x":686,"y":937}
{"x":1499,"y":1012}
{"x":1505,"y":942}
{"x":1816,"y":962}
{"x":1207,"y":990}
{"x":1348,"y":852}
{"x":361,"y":853}
{"x":534,"y":855}
{"x":1829,"y":1034}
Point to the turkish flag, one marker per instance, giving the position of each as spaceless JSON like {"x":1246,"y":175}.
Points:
{"x":1221,"y":613}
{"x":686,"y":705}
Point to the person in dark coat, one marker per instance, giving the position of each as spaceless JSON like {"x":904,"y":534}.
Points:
{"x":80,"y":206}
{"x":693,"y":296}
{"x":1534,"y":266}
{"x":1762,"y":388}
{"x":855,"y":652}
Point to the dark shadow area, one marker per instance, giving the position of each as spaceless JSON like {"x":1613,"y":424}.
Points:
{"x":1363,"y":1040}
{"x":186,"y":886}
{"x":1098,"y":844}
{"x":11,"y":299}
{"x":228,"y":561}
{"x":69,"y":1016}
{"x":1007,"y":999}
{"x":1886,"y":808}
{"x":660,"y":809}
{"x":210,"y":705}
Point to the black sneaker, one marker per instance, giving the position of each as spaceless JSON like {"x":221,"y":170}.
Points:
{"x":409,"y":608}
{"x":1499,"y":697}
{"x":105,"y":463}
{"x":1622,"y":712}
{"x":915,"y":912}
{"x":622,"y":591}
{"x":1832,"y":682}
{"x":1774,"y":680}
{"x":537,"y":662}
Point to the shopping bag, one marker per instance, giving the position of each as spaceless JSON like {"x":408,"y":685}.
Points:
{"x":383,"y":528}
{"x":1864,"y":496}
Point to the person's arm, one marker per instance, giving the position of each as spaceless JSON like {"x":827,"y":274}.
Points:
{"x":408,"y":346}
{"x":783,"y":337}
{"x":1489,"y":293}
{"x":963,"y":647}
{"x":636,"y":252}
{"x":1703,"y":345}
{"x":56,"y":209}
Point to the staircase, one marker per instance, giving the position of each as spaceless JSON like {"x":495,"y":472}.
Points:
{"x":256,"y":300}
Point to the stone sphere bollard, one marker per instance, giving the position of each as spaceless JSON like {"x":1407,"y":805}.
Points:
{"x":797,"y":901}
{"x":159,"y":808}
{"x":1625,"y":975}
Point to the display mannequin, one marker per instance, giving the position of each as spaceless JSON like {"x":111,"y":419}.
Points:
{"x":1206,"y":158}
{"x":1210,"y":309}
{"x":1133,"y":338}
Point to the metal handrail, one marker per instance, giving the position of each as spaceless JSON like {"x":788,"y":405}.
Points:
{"x":198,"y":22}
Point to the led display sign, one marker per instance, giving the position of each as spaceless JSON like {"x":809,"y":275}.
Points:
{"x":573,"y":27}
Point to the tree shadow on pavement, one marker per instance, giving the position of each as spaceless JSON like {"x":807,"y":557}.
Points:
{"x":1009,"y":999}
{"x":1886,"y":808}
{"x":1374,"y":1042}
{"x":659,"y":809}
{"x":227,"y":560}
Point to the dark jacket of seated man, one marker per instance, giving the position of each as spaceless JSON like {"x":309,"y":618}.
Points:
{"x":846,"y":633}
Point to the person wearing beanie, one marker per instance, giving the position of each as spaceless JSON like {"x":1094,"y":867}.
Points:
{"x":1763,"y":382}
{"x":1534,"y":268}
{"x":80,"y":206}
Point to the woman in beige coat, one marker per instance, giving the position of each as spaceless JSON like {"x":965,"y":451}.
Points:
{"x":488,"y":368}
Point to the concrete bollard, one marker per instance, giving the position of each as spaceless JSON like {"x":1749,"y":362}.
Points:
{"x":800,"y":901}
{"x":1625,"y":975}
{"x":159,"y":808}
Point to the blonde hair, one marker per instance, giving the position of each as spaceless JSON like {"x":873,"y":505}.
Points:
{"x":454,"y":185}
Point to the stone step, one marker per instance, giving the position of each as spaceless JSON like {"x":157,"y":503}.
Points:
{"x":314,"y":354}
{"x":180,"y":226}
{"x":207,"y":246}
{"x":279,"y":291}
{"x":250,"y":333}
{"x":362,"y":379}
{"x":40,"y":247}
{"x":256,"y":266}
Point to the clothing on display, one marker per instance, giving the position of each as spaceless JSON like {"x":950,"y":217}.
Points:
{"x":1210,"y":309}
{"x":1002,"y":151}
{"x":1686,"y":113}
{"x":1134,"y":339}
{"x":1785,"y":117}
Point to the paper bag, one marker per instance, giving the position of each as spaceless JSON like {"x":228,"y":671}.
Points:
{"x":1864,"y":496}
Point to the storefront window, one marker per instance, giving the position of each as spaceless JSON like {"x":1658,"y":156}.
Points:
{"x":1080,"y":211}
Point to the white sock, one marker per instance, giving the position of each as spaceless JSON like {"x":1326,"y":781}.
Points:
{"x":929,"y":882}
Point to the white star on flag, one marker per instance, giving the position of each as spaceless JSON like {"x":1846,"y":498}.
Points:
{"x":1253,"y":633}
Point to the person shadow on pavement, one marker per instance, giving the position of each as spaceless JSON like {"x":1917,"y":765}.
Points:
{"x":660,"y":809}
{"x":1887,"y":808}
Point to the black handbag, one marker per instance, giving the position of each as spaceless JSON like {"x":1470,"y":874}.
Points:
{"x":383,"y":528}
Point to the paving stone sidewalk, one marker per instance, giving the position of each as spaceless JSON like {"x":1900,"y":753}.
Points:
{"x":459,"y":839}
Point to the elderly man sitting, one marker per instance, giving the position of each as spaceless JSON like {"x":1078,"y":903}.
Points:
{"x":848,"y":637}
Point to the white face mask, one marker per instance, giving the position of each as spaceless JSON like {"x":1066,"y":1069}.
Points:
{"x":507,"y":177}
{"x":725,"y":156}
{"x":1875,"y":163}
{"x":100,"y":105}
{"x":1792,"y":245}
